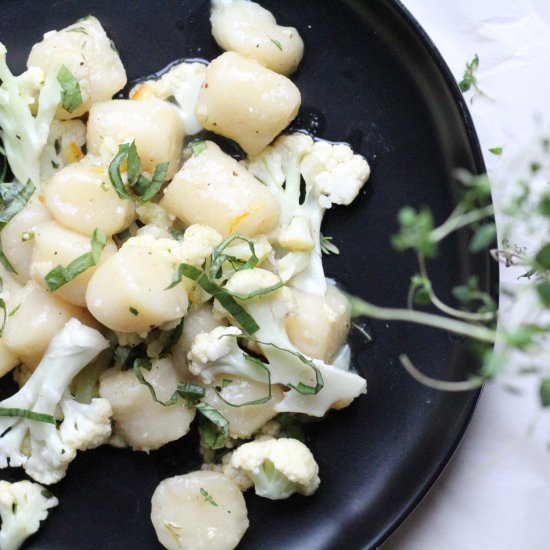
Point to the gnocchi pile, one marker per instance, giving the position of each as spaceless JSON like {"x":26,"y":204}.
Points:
{"x":151,"y":281}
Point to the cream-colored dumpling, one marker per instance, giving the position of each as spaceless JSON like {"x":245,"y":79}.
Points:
{"x":246,"y":102}
{"x":197,"y":320}
{"x":87,"y":52}
{"x":128,"y":292}
{"x":55,"y":245}
{"x":39,"y":316}
{"x":320,"y":324}
{"x":155,"y":125}
{"x":142,"y":423}
{"x":82,"y":198}
{"x":250,"y":30}
{"x":243,"y":421}
{"x":201,"y":510}
{"x":213,"y":189}
{"x":9,"y":293}
{"x":18,"y":236}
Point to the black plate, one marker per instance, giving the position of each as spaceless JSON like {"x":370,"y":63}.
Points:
{"x":371,"y":77}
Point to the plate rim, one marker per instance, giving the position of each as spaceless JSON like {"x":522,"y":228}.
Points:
{"x":492,"y":275}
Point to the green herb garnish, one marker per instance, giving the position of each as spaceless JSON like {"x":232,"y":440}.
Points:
{"x":71,"y":97}
{"x":469,"y":80}
{"x":207,"y":497}
{"x":276,"y":42}
{"x":25,"y":413}
{"x":60,"y":275}
{"x":198,"y":147}
{"x":13,"y":198}
{"x":138,"y":187}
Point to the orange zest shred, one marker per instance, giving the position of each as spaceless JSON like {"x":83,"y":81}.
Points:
{"x":72,"y":153}
{"x":142,"y":92}
{"x":237,"y":220}
{"x":42,"y":198}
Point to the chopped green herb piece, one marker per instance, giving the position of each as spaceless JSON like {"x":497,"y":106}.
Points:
{"x":27,"y":236}
{"x":192,"y":393}
{"x":143,"y":189}
{"x":276,"y":42}
{"x":133,"y":311}
{"x":225,"y":299}
{"x":60,"y":275}
{"x":25,"y":413}
{"x":215,"y":432}
{"x":77,"y":29}
{"x":207,"y":497}
{"x":14,"y":311}
{"x":496,"y":150}
{"x":198,"y":147}
{"x":71,"y":98}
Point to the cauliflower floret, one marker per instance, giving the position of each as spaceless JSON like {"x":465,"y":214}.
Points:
{"x":277,"y":467}
{"x":154,"y":214}
{"x":198,"y":243}
{"x":336,"y":171}
{"x":37,"y":443}
{"x":181,"y":85}
{"x":64,"y":145}
{"x":85,"y":426}
{"x":23,"y":135}
{"x":23,"y":505}
{"x":315,"y":386}
{"x":211,"y":346}
{"x":217,"y":352}
{"x":332,"y":173}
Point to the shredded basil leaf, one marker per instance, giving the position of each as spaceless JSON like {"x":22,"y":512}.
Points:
{"x":225,"y":299}
{"x":260,"y":401}
{"x":143,"y":363}
{"x":168,"y":338}
{"x":71,"y":98}
{"x":133,"y":164}
{"x":302,"y":388}
{"x":192,"y":393}
{"x":114,"y":171}
{"x":31,"y":415}
{"x":60,"y":275}
{"x":13,"y":199}
{"x":143,"y":189}
{"x":215,"y":432}
{"x":218,"y":258}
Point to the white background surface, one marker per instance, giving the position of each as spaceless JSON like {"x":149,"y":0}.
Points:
{"x":495,"y":494}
